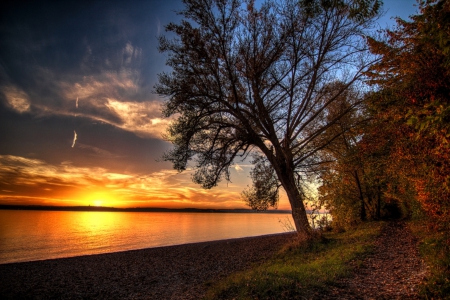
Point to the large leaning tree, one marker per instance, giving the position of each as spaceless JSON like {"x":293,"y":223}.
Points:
{"x":256,"y":80}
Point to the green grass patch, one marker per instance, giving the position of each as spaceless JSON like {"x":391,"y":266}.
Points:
{"x":434,"y":247}
{"x":300,"y":270}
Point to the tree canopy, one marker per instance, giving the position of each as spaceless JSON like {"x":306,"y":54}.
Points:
{"x":414,"y":80}
{"x":402,"y":157}
{"x":260,"y":81}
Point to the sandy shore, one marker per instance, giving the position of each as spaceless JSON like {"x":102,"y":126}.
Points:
{"x":174,"y":272}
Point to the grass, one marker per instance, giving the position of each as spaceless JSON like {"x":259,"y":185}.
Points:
{"x":300,"y":270}
{"x":434,"y":247}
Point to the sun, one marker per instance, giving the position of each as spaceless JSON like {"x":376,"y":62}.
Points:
{"x":98,"y":202}
{"x":99,"y":198}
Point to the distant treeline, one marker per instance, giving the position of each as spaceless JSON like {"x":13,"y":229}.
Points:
{"x":134,"y":209}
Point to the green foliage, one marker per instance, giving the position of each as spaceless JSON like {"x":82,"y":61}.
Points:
{"x":300,"y":269}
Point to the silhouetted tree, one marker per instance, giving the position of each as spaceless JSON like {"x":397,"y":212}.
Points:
{"x":254,"y":80}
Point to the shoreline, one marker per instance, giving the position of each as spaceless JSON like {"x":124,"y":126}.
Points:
{"x":167,"y":272}
{"x":143,"y":249}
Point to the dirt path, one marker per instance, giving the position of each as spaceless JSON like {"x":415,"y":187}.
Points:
{"x":393,"y":271}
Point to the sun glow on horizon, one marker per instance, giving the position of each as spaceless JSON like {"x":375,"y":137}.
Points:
{"x":98,"y":202}
{"x":100,"y":198}
{"x":37,"y":182}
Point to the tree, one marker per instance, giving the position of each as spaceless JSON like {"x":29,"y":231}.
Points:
{"x":342,"y":186}
{"x":353,"y":178}
{"x":413,"y":76}
{"x":254,"y":80}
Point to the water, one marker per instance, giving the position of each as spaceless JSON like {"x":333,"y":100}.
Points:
{"x":37,"y":235}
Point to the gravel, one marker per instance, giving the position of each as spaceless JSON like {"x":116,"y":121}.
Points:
{"x":393,"y":271}
{"x":174,"y":272}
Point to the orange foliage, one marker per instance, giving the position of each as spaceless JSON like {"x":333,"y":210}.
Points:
{"x":413,"y":105}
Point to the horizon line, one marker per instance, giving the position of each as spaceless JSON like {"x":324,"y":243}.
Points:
{"x":132,"y":209}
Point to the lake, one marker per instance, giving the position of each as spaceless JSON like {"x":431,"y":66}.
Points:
{"x":37,"y":235}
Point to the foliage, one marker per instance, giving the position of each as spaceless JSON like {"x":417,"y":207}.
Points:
{"x":353,"y":182}
{"x":300,"y":270}
{"x":264,"y":192}
{"x":413,"y":76}
{"x":398,"y":162}
{"x":256,"y":80}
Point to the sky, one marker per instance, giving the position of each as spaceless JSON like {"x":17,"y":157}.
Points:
{"x":79,"y":124}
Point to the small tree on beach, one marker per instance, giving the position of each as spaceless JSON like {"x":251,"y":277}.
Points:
{"x":256,"y":80}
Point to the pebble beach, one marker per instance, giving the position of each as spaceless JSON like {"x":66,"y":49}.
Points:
{"x":173,"y":272}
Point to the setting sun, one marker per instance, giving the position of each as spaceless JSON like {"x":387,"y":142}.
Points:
{"x":98,"y":203}
{"x":100,"y":198}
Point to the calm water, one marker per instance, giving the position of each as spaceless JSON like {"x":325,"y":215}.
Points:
{"x":37,"y":235}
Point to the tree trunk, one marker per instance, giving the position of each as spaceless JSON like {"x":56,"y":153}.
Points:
{"x":363,"y":214}
{"x":298,"y":212}
{"x":286,"y":177}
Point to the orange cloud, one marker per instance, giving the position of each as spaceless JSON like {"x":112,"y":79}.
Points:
{"x":32,"y":181}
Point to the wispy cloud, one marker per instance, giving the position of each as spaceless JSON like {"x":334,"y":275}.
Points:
{"x":115,"y":94}
{"x":97,"y":151}
{"x":107,"y":98}
{"x":74,"y":138}
{"x":142,"y":118}
{"x":16,"y":98}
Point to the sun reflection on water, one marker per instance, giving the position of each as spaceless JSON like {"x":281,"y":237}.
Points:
{"x":35,"y":235}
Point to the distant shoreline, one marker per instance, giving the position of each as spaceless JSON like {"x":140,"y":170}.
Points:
{"x":133,"y":209}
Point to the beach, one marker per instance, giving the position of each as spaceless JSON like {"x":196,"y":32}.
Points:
{"x":173,"y":272}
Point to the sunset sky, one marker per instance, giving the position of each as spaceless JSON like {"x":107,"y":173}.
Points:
{"x":79,"y":124}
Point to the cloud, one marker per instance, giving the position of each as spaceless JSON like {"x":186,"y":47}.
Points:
{"x":108,"y":83}
{"x":238,"y":168}
{"x":113,"y":91}
{"x":113,"y":98}
{"x":35,"y":180}
{"x":17,"y":98}
{"x":142,"y":118}
{"x":97,"y":151}
{"x":74,"y":138}
{"x":131,"y":53}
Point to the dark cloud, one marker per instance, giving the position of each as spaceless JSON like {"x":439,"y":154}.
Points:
{"x":48,"y":46}
{"x":99,"y":52}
